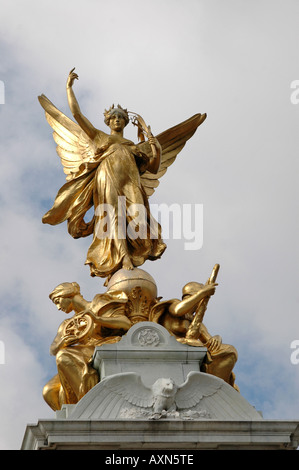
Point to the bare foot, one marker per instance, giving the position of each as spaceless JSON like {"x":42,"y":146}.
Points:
{"x":127,"y":263}
{"x":107,"y":280}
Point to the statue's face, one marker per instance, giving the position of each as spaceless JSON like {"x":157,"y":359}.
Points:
{"x":117,"y":121}
{"x":64,"y":304}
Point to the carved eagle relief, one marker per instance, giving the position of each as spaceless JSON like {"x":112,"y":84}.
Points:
{"x":201,"y":396}
{"x":124,"y":395}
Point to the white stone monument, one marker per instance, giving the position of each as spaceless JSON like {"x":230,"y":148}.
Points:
{"x":152,"y":395}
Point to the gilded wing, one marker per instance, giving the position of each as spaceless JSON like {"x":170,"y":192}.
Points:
{"x":172,"y":142}
{"x":74,"y":147}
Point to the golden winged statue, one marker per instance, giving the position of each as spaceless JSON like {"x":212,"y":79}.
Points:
{"x":114,"y":175}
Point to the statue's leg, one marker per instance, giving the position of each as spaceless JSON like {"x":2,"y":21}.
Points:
{"x":51,"y":393}
{"x":222,"y":364}
{"x":76,"y":374}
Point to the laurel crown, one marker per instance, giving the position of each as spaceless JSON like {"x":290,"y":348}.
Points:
{"x":112,"y":109}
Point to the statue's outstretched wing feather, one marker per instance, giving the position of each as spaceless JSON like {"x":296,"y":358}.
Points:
{"x":74,"y":147}
{"x":114,"y":393}
{"x":130,"y":387}
{"x":196,"y":387}
{"x":172,"y":142}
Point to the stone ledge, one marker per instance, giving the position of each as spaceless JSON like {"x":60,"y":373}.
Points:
{"x":167,"y":435}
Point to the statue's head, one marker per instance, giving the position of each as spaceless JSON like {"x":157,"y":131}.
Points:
{"x":116,"y":110}
{"x":63,"y":294}
{"x":191,"y":288}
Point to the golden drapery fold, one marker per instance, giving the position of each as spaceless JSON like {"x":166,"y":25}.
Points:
{"x":103,"y":171}
{"x":114,"y":177}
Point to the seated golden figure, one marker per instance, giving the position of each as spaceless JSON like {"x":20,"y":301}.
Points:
{"x":177,"y":317}
{"x":131,"y":297}
{"x":97,"y":322}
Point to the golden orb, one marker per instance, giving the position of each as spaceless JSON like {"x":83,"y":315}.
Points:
{"x":126,"y":280}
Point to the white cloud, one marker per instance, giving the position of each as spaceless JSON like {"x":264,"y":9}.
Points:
{"x":22,"y":379}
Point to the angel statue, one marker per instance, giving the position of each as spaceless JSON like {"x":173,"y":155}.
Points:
{"x":114,"y":175}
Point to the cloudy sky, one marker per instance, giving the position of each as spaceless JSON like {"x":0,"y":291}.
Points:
{"x":166,"y":60}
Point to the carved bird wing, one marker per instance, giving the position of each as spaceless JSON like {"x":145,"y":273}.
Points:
{"x":74,"y":147}
{"x":205,"y":392}
{"x":195,"y":389}
{"x":106,"y":400}
{"x":172,"y":142}
{"x":130,"y":388}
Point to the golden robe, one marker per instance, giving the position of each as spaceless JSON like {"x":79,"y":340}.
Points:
{"x":113,"y":176}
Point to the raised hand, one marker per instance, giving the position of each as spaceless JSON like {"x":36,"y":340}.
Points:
{"x":71,"y":78}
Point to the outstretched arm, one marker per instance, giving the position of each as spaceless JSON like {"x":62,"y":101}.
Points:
{"x":188,"y":304}
{"x":110,"y":321}
{"x":83,"y":122}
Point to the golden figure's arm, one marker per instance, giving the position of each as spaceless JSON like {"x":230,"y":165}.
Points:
{"x":211,"y":342}
{"x":152,"y":147}
{"x":172,"y":142}
{"x":155,"y":160}
{"x":83,"y":122}
{"x":60,"y":341}
{"x":188,"y":304}
{"x":110,"y":321}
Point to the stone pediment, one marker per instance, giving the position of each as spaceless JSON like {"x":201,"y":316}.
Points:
{"x":150,"y":375}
